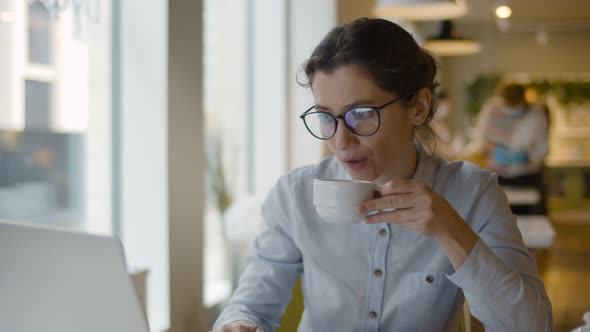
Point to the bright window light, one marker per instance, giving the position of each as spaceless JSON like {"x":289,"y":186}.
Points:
{"x":6,"y":17}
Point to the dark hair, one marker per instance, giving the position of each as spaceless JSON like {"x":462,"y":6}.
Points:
{"x":389,"y":53}
{"x":513,"y":94}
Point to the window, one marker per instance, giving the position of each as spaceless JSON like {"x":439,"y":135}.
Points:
{"x":40,"y":37}
{"x":225,"y":130}
{"x":63,"y":81}
{"x":55,"y":74}
{"x":252,"y":103}
{"x":37,"y":104}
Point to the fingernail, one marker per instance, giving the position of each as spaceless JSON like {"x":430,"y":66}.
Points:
{"x":362,"y":209}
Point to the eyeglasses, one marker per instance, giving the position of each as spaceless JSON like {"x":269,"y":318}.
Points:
{"x":361,"y":120}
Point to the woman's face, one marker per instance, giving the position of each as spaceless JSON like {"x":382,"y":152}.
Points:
{"x":390,"y":152}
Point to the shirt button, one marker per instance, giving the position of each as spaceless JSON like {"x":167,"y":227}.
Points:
{"x":429,"y":278}
{"x":372,"y":314}
{"x":378,"y":273}
{"x":383,"y":232}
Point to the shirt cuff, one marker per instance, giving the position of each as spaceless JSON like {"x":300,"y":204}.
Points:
{"x":480,"y":273}
{"x":228,"y":319}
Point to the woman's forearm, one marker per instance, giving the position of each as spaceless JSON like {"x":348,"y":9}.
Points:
{"x":457,"y":244}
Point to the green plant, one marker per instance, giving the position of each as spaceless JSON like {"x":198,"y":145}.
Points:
{"x":484,"y":87}
{"x":479,"y":90}
{"x":216,"y":175}
{"x":566,"y":92}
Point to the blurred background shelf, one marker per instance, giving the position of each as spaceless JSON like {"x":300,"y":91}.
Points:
{"x":569,"y":190}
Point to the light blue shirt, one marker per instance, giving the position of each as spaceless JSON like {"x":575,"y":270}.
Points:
{"x":385,"y":277}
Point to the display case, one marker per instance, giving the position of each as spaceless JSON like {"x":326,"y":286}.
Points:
{"x":569,"y":190}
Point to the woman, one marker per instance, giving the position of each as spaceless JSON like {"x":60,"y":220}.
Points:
{"x":404,"y":270}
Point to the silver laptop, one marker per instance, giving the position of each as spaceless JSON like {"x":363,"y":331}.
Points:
{"x":59,"y":281}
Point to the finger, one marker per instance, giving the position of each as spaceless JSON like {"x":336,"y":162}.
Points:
{"x":395,"y":217}
{"x":247,"y":328}
{"x":239,"y":327}
{"x":394,"y":201}
{"x":376,"y":193}
{"x":402,"y":187}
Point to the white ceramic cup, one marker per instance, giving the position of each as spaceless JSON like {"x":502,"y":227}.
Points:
{"x":336,"y":200}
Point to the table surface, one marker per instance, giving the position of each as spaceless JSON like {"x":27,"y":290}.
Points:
{"x":537,"y":232}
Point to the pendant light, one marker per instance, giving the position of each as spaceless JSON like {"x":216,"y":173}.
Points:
{"x":446,"y":43}
{"x":420,"y":10}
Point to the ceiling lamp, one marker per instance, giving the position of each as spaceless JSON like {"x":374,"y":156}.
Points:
{"x":421,"y":10}
{"x":503,"y":11}
{"x":445,"y":43}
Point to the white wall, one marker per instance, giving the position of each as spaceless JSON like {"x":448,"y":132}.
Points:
{"x":72,"y":64}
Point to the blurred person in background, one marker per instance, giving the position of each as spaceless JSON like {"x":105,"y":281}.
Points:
{"x":512,"y":136}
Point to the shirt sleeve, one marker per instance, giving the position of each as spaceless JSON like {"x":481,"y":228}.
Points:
{"x":539,"y":148}
{"x":532,"y":138}
{"x":272,"y":268}
{"x":499,"y":277}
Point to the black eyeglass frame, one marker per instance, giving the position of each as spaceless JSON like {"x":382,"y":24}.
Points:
{"x":343,"y":115}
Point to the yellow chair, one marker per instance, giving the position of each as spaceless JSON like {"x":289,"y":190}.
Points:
{"x":292,"y":316}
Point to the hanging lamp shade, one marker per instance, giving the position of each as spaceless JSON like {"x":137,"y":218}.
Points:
{"x":446,"y":43}
{"x":420,"y":10}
